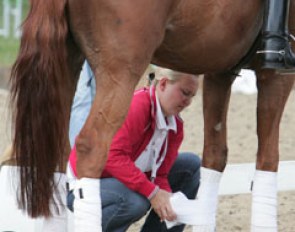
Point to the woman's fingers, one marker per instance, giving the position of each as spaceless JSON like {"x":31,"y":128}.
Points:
{"x":161,"y":205}
{"x":166,"y":213}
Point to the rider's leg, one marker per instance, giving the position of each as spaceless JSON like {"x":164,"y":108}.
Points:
{"x":275,"y":49}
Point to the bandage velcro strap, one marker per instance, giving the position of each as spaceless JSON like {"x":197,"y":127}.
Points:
{"x":87,"y":188}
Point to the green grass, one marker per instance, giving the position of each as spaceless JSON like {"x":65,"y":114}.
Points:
{"x":8,"y":51}
{"x":9,"y":46}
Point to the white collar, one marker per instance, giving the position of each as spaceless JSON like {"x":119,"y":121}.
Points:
{"x":160,"y":118}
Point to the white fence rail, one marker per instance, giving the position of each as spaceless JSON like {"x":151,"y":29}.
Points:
{"x":236,"y":179}
{"x":11,"y":13}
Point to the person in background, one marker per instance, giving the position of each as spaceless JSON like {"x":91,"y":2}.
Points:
{"x":82,"y":102}
{"x":144,"y":166}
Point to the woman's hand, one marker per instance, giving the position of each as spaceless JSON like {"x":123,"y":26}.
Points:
{"x":161,"y":205}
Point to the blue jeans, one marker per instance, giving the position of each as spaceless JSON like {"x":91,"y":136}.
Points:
{"x":121,"y":206}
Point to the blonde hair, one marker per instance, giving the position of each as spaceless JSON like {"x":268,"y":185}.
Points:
{"x":171,"y":75}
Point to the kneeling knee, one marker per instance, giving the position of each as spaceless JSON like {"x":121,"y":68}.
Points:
{"x":139,"y":206}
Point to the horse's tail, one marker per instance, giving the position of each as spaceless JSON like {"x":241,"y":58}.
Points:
{"x":37,"y":81}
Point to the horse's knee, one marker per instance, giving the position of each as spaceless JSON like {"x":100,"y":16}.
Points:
{"x":215,"y":157}
{"x":268,"y":163}
{"x":84,"y":145}
{"x":91,"y":157}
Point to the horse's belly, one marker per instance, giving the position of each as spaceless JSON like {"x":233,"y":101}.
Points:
{"x":210,"y":40}
{"x":204,"y":58}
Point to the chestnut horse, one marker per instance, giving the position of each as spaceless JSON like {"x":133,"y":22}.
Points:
{"x":120,"y":39}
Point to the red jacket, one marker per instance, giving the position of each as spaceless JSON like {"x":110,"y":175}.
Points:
{"x":130,"y":141}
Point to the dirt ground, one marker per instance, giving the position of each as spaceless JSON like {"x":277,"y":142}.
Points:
{"x":233,"y":210}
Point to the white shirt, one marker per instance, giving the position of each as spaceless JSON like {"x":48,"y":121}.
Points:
{"x":151,"y":159}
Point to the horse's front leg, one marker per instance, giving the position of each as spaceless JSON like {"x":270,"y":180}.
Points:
{"x":216,"y":94}
{"x":118,"y":39}
{"x":113,"y":94}
{"x":273,"y":92}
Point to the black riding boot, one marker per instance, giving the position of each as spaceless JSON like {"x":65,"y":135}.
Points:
{"x":275,"y":50}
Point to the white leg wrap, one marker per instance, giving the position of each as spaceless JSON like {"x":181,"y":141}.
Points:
{"x":207,"y":199}
{"x":264,"y":202}
{"x":58,"y":221}
{"x":87,"y":205}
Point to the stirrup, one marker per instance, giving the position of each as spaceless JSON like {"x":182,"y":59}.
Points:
{"x":277,"y":54}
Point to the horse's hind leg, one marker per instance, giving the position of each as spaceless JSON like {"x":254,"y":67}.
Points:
{"x":273,"y":92}
{"x":118,"y":39}
{"x":216,"y":94}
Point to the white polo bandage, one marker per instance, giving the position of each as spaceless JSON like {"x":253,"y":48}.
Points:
{"x":207,"y":199}
{"x":264,"y":202}
{"x":87,"y":205}
{"x":58,"y":221}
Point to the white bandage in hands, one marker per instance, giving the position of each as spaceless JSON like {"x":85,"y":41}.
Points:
{"x":201,"y":212}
